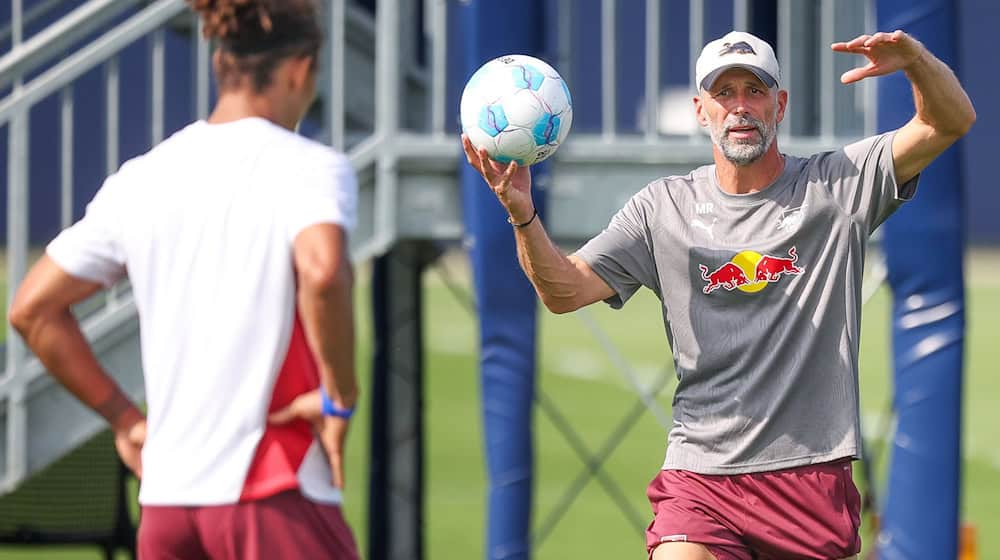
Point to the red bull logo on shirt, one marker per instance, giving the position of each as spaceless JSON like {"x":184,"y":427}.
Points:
{"x":750,"y":271}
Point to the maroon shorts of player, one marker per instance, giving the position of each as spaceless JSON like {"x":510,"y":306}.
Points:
{"x":286,"y":525}
{"x":810,"y":512}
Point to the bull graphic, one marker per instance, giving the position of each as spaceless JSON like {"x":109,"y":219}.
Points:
{"x":769,"y":268}
{"x":727,"y":276}
{"x":741,"y":47}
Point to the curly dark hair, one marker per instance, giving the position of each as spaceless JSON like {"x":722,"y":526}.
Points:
{"x":254,"y":36}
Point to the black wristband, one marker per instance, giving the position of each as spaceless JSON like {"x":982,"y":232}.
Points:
{"x":510,"y":220}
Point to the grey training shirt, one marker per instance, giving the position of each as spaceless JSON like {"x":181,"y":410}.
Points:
{"x":761,"y":302}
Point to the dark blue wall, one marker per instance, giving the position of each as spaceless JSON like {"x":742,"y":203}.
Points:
{"x":978,"y":69}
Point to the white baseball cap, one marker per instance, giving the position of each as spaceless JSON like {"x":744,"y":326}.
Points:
{"x":737,"y":49}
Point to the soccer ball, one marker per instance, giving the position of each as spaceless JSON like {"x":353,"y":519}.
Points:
{"x":518,"y":108}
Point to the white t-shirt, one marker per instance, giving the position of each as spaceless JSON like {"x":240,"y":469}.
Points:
{"x":203,"y":225}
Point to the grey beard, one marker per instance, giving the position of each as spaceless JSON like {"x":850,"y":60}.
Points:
{"x":743,"y":153}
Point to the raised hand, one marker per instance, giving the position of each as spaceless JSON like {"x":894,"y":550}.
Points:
{"x":510,"y":182}
{"x":886,"y":53}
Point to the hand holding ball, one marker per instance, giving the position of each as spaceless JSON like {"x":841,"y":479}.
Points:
{"x":518,"y":108}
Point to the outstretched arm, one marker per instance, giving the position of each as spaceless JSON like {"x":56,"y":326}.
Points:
{"x":564,"y":283}
{"x":944,"y":112}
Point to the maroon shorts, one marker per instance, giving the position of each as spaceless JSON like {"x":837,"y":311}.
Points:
{"x":810,"y":512}
{"x":286,"y":525}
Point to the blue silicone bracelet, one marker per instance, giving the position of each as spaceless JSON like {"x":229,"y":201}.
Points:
{"x":330,"y":409}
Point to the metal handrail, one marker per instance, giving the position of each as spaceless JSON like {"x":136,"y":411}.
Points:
{"x":54,"y":39}
{"x":99,"y":51}
{"x":31,"y":16}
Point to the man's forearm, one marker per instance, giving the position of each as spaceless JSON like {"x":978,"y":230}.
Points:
{"x":62,"y":348}
{"x":940,"y":100}
{"x":328,"y":317}
{"x":555,"y":278}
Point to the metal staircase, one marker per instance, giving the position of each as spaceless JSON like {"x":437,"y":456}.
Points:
{"x":392,"y":118}
{"x":39,"y":421}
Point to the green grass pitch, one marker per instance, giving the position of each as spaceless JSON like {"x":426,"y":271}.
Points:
{"x":591,"y":392}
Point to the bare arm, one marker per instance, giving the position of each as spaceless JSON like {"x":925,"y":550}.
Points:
{"x":41,"y":314}
{"x":944,"y":112}
{"x":563,"y":283}
{"x":325,"y":301}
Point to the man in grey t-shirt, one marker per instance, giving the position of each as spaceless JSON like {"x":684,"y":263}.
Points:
{"x":757,"y":261}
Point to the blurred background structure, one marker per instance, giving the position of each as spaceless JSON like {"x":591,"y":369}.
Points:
{"x":87,"y":84}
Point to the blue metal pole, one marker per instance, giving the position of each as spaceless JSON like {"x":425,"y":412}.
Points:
{"x":924,"y":243}
{"x":506,"y":300}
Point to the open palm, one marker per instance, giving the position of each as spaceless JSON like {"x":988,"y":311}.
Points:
{"x":886,"y":53}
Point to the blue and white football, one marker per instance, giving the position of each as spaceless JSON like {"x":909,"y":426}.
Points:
{"x":518,"y":108}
